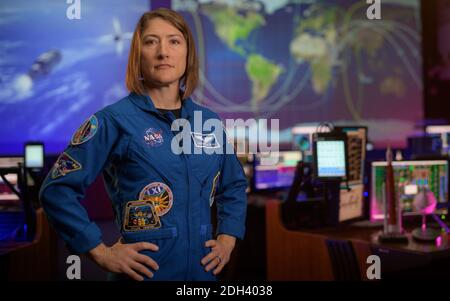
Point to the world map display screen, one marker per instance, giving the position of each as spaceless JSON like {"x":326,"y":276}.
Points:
{"x":311,"y":61}
{"x":296,"y":61}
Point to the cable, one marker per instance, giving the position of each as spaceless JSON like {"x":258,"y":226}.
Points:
{"x":325,"y":125}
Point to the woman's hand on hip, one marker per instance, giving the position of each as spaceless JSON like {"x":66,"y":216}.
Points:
{"x":125,"y":258}
{"x":220,"y":253}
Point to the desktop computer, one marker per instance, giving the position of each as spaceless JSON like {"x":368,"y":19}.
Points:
{"x":410,"y":178}
{"x":302,"y":137}
{"x":11,"y":213}
{"x":443,"y":131}
{"x":277,"y":176}
{"x":7,"y":195}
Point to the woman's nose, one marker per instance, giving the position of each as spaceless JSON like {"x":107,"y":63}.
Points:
{"x":163,"y":50}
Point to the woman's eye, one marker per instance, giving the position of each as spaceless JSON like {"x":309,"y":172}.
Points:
{"x":150,"y":42}
{"x":175,"y":42}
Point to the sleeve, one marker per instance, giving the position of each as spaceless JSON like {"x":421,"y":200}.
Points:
{"x":65,"y":185}
{"x":231,"y":194}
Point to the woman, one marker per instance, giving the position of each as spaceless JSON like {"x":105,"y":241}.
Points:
{"x":161,"y":199}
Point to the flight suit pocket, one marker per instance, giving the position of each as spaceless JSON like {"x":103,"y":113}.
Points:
{"x":206,"y":169}
{"x":164,"y":238}
{"x":152,"y":161}
{"x":205,"y":166}
{"x":210,"y":186}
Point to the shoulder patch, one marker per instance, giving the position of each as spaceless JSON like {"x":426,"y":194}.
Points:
{"x":64,"y":165}
{"x":86,"y":131}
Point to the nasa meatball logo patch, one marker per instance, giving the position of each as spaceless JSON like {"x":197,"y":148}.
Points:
{"x":153,"y":137}
{"x":140,"y":215}
{"x":64,"y":165}
{"x":86,"y":131}
{"x":160,"y":195}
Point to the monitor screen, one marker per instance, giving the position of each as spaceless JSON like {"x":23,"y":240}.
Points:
{"x":437,"y":129}
{"x":331,"y":161}
{"x":302,"y":137}
{"x":8,"y":197}
{"x":278,"y":58}
{"x":302,"y":142}
{"x":279,"y":175}
{"x":430,"y":145}
{"x":410,"y":178}
{"x":34,"y":155}
{"x":444,"y":132}
{"x":58,"y":71}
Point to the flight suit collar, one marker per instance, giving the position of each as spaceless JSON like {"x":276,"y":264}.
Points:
{"x":145,"y":103}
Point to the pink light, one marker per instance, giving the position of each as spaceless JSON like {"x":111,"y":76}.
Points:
{"x":439,"y":241}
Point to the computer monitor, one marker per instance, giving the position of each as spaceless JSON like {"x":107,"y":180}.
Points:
{"x":34,"y":155}
{"x":7,"y":196}
{"x":246,"y":161}
{"x":425,"y":146}
{"x":277,"y":176}
{"x":302,"y":137}
{"x":409,"y":177}
{"x":444,"y":132}
{"x":330,"y":155}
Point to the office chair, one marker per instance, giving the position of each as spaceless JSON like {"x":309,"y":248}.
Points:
{"x":343,"y":259}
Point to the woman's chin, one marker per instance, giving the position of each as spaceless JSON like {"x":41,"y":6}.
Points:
{"x":163,"y":82}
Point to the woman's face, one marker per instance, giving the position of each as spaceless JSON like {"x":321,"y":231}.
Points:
{"x":163,"y":53}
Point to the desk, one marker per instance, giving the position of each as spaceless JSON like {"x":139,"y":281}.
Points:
{"x":303,"y":255}
{"x":32,"y":260}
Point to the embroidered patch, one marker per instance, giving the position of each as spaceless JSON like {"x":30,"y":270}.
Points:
{"x":161,"y":196}
{"x":64,"y":165}
{"x":213,"y":190}
{"x":140,"y":215}
{"x":86,"y":131}
{"x":153,"y":137}
{"x":205,"y":140}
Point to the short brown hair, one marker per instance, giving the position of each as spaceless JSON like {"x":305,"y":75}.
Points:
{"x":190,"y":77}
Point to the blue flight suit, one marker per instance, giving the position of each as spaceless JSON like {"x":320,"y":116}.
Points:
{"x":130,"y":142}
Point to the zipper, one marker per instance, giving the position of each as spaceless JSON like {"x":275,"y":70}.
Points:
{"x":170,"y":119}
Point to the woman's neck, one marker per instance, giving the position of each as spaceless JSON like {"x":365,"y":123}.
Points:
{"x":167,"y":97}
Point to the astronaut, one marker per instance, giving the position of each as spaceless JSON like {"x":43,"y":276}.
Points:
{"x":161,"y":199}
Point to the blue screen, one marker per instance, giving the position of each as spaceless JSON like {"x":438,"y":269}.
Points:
{"x":279,"y":175}
{"x":331,"y":159}
{"x":55,"y":71}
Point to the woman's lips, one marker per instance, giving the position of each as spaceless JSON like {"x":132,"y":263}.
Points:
{"x":163,"y":66}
